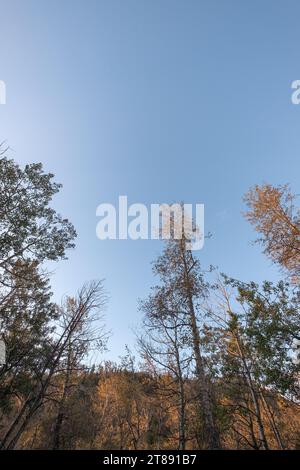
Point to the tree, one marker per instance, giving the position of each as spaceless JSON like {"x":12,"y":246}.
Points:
{"x":27,"y":317}
{"x":275,"y":217}
{"x":89,"y":334}
{"x":29,"y":228}
{"x":31,"y":232}
{"x":254,"y":330}
{"x":90,"y":300}
{"x":182,"y":292}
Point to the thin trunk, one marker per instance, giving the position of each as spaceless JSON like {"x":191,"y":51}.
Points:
{"x":273,"y":423}
{"x":211,"y":431}
{"x":61,"y":413}
{"x":181,"y":393}
{"x":253,"y":437}
{"x":14,"y":425}
{"x":181,"y":417}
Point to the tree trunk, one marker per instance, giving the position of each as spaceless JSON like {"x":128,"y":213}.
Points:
{"x":61,"y":413}
{"x":212,"y":435}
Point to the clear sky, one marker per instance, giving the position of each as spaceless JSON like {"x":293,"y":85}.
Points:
{"x":160,"y":100}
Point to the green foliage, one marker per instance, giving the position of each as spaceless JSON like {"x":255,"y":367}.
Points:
{"x":29,"y":227}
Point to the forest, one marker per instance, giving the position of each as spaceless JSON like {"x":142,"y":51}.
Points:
{"x":216,"y":364}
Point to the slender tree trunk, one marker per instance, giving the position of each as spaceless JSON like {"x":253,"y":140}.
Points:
{"x":181,"y":401}
{"x":211,"y":431}
{"x":181,"y":417}
{"x":253,"y":437}
{"x":273,"y":423}
{"x":14,"y":425}
{"x":57,"y":429}
{"x":31,"y":411}
{"x":61,"y":408}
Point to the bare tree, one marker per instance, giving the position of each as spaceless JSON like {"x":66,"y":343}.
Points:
{"x":73,"y":332}
{"x":182,"y":291}
{"x":163,"y":348}
{"x":89,"y":334}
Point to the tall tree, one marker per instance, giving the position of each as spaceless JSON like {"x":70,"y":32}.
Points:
{"x":182,"y":291}
{"x":31,"y":232}
{"x":88,"y":335}
{"x":27,"y":317}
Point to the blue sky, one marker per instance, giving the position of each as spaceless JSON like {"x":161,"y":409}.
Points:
{"x":160,"y":100}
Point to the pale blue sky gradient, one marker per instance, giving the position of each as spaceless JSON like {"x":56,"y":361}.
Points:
{"x":160,"y":100}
